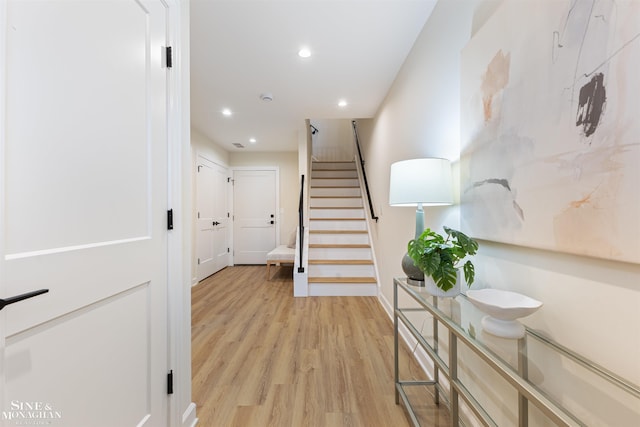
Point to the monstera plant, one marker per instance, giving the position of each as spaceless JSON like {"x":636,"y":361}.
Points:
{"x":441,"y":257}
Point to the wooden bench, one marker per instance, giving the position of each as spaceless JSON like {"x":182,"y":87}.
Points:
{"x":280,"y":255}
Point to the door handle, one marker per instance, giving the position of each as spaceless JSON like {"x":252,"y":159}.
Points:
{"x":216,"y":223}
{"x":5,"y":302}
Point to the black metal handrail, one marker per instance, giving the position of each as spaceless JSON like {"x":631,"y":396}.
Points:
{"x":301,"y":224}
{"x":364,"y":174}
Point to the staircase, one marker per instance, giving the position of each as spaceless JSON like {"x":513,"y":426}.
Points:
{"x":340,"y":257}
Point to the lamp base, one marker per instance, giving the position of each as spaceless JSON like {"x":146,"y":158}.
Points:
{"x":415,"y":276}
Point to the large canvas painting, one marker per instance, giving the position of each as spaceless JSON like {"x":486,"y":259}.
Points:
{"x":551,"y":127}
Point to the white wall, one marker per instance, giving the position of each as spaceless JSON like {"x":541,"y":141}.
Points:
{"x":591,"y":305}
{"x":333,"y":141}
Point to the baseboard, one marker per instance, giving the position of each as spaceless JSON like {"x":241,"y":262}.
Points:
{"x":418,"y":352}
{"x":194,"y":281}
{"x":189,"y":418}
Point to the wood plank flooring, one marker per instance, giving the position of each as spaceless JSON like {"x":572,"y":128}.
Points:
{"x":264,"y":358}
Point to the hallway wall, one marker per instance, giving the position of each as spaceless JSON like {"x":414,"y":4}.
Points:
{"x":590,"y":305}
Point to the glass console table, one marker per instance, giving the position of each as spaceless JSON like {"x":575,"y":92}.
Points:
{"x":491,"y":381}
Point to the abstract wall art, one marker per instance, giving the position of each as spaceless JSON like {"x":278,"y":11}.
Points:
{"x":550,"y":138}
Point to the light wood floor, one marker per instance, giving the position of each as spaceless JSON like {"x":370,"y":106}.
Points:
{"x":264,"y":358}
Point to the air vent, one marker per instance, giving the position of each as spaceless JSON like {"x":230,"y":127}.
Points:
{"x":238,"y":145}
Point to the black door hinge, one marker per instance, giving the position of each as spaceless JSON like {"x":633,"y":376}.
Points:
{"x":170,"y":382}
{"x":170,"y":219}
{"x":169,"y":57}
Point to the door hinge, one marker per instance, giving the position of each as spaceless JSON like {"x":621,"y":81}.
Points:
{"x":198,"y":261}
{"x":168,"y":57}
{"x":198,"y":215}
{"x":227,"y":214}
{"x":199,"y":166}
{"x":228,"y":179}
{"x":170,"y":382}
{"x":170,"y":219}
{"x":228,"y":250}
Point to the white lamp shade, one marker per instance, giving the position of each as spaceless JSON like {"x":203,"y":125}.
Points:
{"x":426,"y":181}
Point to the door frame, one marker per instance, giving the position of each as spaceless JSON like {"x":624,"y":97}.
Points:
{"x":182,"y":410}
{"x":233,"y":170}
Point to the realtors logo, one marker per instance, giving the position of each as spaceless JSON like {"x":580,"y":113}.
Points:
{"x":31,"y":413}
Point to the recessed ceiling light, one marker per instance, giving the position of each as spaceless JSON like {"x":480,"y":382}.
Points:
{"x":342,"y":103}
{"x":304,"y":52}
{"x":252,"y":140}
{"x":226,"y":112}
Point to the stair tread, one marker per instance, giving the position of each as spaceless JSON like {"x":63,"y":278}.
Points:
{"x":336,"y":219}
{"x":336,"y":207}
{"x":334,"y":177}
{"x":322,"y":279}
{"x":342,"y":261}
{"x":339,"y":245}
{"x":335,"y":186}
{"x":334,"y":170}
{"x":336,"y":197}
{"x":338,"y":231}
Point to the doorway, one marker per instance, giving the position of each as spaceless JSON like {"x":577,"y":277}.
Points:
{"x":256,"y":217}
{"x":212,"y":218}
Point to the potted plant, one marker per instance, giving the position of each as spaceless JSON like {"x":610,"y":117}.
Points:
{"x":440,"y":258}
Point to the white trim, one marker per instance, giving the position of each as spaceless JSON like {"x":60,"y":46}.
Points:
{"x":420,"y":354}
{"x":180,"y":200}
{"x":3,"y":126}
{"x":189,"y":416}
{"x":367,"y":214}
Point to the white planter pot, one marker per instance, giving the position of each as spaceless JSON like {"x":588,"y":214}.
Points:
{"x":430,"y":286}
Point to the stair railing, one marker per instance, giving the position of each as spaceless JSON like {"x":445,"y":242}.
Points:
{"x":301,"y":224}
{"x":364,"y":174}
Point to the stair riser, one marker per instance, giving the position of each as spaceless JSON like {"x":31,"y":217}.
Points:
{"x":320,"y":224}
{"x":331,"y":182}
{"x":338,"y":202}
{"x":353,"y":192}
{"x":336,"y":213}
{"x":333,"y":165}
{"x":334,"y":174}
{"x":340,"y":289}
{"x":340,"y":253}
{"x":340,"y":239}
{"x":333,"y":270}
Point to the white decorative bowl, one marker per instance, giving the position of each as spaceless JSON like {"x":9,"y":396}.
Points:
{"x":503,"y":308}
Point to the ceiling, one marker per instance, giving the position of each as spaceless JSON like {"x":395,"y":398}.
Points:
{"x":241,"y":49}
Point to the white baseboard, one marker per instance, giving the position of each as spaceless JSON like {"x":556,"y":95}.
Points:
{"x":189,"y":418}
{"x":420,"y":354}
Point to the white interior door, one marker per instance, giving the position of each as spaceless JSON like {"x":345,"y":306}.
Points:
{"x":255,"y":215}
{"x":84,"y":213}
{"x":213,"y":218}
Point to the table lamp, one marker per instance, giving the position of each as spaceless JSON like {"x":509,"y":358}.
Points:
{"x":419,"y":182}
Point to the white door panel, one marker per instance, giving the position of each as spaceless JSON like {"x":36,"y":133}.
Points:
{"x":212,"y":222}
{"x":255,"y":211}
{"x":84,"y":156}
